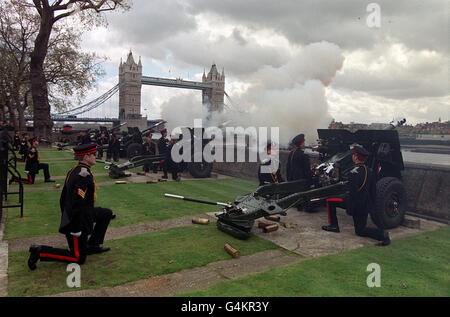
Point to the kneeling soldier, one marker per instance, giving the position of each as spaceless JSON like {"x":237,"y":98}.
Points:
{"x":78,"y":215}
{"x":357,"y":202}
{"x":33,"y":165}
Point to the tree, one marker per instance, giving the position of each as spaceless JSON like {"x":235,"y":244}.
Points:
{"x":50,"y":13}
{"x":67,"y":69}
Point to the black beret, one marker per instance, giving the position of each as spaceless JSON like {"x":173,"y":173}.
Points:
{"x":84,"y":149}
{"x":298,"y":138}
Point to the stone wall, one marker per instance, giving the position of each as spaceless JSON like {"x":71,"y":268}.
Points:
{"x":427,"y":187}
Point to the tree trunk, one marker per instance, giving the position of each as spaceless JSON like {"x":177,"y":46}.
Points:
{"x":12,"y":114}
{"x":42,"y":122}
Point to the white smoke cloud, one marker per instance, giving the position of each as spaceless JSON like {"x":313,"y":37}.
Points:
{"x":291,"y":97}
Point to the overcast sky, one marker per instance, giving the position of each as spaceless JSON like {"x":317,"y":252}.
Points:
{"x":314,"y":56}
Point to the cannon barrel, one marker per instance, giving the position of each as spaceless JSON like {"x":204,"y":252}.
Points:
{"x":395,"y":124}
{"x":198,"y":200}
{"x":150,"y":128}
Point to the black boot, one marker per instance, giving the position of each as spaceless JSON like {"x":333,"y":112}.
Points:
{"x":93,"y":249}
{"x":48,"y":180}
{"x":387,"y":239}
{"x":34,"y":256}
{"x":332,"y":228}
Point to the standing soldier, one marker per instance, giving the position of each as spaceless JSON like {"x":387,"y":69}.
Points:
{"x":149,"y":149}
{"x":23,"y":147}
{"x":357,"y":202}
{"x":113,"y":148}
{"x":33,"y":165}
{"x":163,"y":145}
{"x":78,"y":215}
{"x":298,"y":166}
{"x":171,"y":164}
{"x":273,"y":177}
{"x":86,"y":138}
{"x":101,"y":142}
{"x":16,"y":141}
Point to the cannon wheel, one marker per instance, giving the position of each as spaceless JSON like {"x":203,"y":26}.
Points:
{"x":200,"y":170}
{"x":134,"y":149}
{"x":390,"y":203}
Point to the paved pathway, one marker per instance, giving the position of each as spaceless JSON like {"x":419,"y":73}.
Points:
{"x":193,"y":279}
{"x":111,"y":234}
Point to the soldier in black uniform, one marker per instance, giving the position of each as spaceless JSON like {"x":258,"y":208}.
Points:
{"x":78,"y":215}
{"x":23,"y":147}
{"x":357,"y":201}
{"x":101,"y":142}
{"x":113,"y":148}
{"x":172,"y":166}
{"x":33,"y":165}
{"x":16,"y":140}
{"x":298,"y":166}
{"x":163,"y":145}
{"x":84,"y":138}
{"x":271,"y":177}
{"x":149,"y":149}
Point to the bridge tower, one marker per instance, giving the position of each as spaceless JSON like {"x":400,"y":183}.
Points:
{"x":214,"y":97}
{"x":130,"y":74}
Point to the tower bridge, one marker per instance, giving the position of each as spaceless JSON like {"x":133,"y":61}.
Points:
{"x":130,"y":86}
{"x":131,"y":81}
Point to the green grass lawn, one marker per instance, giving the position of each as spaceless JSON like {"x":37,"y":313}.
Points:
{"x":60,"y":167}
{"x":415,"y":266}
{"x":130,"y":259}
{"x":132,"y":203}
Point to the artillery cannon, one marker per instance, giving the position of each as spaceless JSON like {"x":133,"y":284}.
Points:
{"x":196,"y":169}
{"x":131,"y":142}
{"x":237,"y":219}
{"x":384,"y":163}
{"x":330,"y":179}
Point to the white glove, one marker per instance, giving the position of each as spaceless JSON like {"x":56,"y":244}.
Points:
{"x":76,"y":234}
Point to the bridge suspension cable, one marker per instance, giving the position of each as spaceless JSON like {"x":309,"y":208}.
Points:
{"x":231,"y":106}
{"x":92,"y":104}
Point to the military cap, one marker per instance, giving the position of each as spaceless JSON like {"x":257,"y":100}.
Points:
{"x":25,"y":134}
{"x":34,"y":139}
{"x":298,"y":139}
{"x":360,"y":151}
{"x":85,"y":149}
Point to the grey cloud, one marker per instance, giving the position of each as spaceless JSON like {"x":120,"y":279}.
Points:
{"x":152,"y":21}
{"x":237,"y":57}
{"x":419,"y":24}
